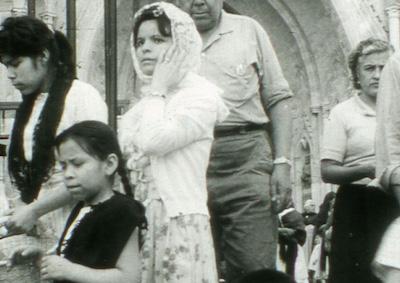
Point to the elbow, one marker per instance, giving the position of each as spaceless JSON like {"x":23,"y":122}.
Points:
{"x":151,"y":146}
{"x":326,"y":175}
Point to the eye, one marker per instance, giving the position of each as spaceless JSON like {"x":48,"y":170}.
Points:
{"x":139,"y":42}
{"x":13,"y":63}
{"x":63,"y":165}
{"x":158,"y":39}
{"x":77,"y":163}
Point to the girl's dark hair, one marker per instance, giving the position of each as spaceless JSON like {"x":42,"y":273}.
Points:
{"x":153,"y":13}
{"x":365,"y":47}
{"x":98,"y":140}
{"x":29,"y":37}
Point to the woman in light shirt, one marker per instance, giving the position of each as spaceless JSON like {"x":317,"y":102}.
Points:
{"x":361,"y":213}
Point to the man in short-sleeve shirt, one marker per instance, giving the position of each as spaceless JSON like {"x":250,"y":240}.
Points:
{"x":248,"y":182}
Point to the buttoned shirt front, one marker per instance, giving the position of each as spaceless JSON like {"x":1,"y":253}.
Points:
{"x":240,"y":59}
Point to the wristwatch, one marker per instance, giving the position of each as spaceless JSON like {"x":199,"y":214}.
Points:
{"x":156,"y":94}
{"x":282,"y":160}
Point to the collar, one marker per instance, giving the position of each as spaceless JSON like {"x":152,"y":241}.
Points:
{"x":42,"y":96}
{"x":364,"y":108}
{"x":224,"y":27}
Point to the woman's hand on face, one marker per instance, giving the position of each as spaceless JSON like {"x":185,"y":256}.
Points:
{"x":167,"y":72}
{"x":54,"y":267}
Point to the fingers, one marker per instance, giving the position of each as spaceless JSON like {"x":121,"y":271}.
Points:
{"x":170,"y":51}
{"x":9,"y":212}
{"x":275,"y":200}
{"x":280,"y":197}
{"x":44,"y":267}
{"x":24,"y":254}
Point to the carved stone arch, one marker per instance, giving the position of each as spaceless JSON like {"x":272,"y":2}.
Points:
{"x":302,"y":171}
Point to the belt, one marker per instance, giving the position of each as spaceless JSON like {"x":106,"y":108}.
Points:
{"x":224,"y":131}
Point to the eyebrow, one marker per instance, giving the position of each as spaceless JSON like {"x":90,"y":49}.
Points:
{"x":11,"y":60}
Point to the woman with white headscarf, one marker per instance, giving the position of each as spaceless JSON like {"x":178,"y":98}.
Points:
{"x":167,"y":138}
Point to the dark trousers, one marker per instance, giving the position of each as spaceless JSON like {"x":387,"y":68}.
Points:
{"x":244,"y":226}
{"x":361,"y":216}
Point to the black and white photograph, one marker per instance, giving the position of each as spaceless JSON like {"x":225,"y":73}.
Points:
{"x":200,"y":141}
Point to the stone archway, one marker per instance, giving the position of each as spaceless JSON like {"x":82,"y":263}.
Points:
{"x":312,"y":52}
{"x":301,"y":173}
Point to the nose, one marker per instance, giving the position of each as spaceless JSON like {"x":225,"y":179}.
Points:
{"x":146,"y":46}
{"x":68,"y":172}
{"x":11,"y":73}
{"x":378,"y":72}
{"x":198,"y":3}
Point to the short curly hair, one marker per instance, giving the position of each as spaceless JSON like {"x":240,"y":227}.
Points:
{"x":365,"y":47}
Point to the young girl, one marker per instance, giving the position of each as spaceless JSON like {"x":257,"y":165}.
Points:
{"x":167,"y":136}
{"x":100,"y":239}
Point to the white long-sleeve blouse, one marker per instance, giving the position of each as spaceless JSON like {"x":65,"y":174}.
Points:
{"x":177,"y":133}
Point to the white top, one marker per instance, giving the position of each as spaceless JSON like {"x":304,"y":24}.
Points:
{"x":82,"y":213}
{"x":83,"y":102}
{"x":349,"y":135}
{"x":176,"y":133}
{"x":388,"y":123}
{"x":388,"y":253}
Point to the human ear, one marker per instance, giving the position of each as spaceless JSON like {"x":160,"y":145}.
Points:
{"x":45,"y":56}
{"x":111,"y":164}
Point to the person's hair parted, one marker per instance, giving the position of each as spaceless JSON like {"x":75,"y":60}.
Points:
{"x":153,"y":13}
{"x":98,"y":140}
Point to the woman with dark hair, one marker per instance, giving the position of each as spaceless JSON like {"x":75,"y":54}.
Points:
{"x":167,"y":138}
{"x":39,"y":64}
{"x":361,"y":213}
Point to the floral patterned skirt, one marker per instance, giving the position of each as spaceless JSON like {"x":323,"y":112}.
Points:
{"x":179,"y":249}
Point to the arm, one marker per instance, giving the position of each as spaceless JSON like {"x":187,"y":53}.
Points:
{"x":335,"y":173}
{"x":388,"y":121}
{"x":161,"y":133}
{"x":25,"y":217}
{"x":196,"y":109}
{"x":127,"y":269}
{"x":281,"y":121}
{"x":275,"y":96}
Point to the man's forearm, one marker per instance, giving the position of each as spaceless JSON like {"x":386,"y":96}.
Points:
{"x":281,"y":120}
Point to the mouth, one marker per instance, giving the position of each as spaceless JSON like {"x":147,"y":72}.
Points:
{"x":18,"y":86}
{"x":73,"y":188}
{"x":199,"y":14}
{"x":148,"y":61}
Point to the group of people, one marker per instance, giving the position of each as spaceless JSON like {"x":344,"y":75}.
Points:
{"x":203,"y":157}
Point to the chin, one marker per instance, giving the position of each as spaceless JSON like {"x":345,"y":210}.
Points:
{"x":147,"y":69}
{"x":204,"y":25}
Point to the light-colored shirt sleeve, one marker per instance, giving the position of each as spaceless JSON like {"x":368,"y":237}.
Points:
{"x":85,"y":103}
{"x":334,"y":138}
{"x":193,"y":118}
{"x":388,"y":117}
{"x":274,"y":86}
